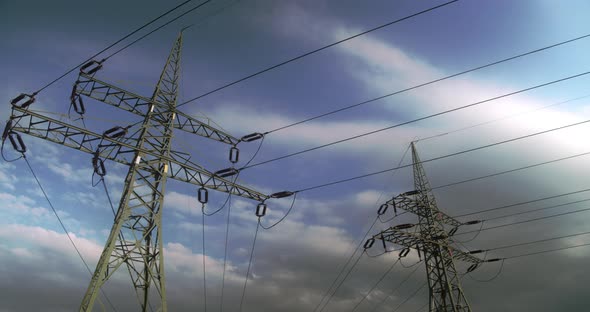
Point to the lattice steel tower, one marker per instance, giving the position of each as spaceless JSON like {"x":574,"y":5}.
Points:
{"x":432,"y":240}
{"x":135,"y":239}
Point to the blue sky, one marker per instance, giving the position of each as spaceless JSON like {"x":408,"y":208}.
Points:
{"x":296,"y":261}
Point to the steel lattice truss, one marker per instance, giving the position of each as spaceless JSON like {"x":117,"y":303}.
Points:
{"x":135,"y":238}
{"x":433,"y":240}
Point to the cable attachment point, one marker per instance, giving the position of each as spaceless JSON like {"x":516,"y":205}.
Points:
{"x":472,"y":267}
{"x":252,"y":137}
{"x":17,"y":142}
{"x":227,"y":172}
{"x":23,"y":100}
{"x":91,"y":67}
{"x":369,"y":243}
{"x":234,"y":154}
{"x":473,"y":252}
{"x":76,"y":101}
{"x":382,"y":209}
{"x":203,"y":195}
{"x":98,"y":165}
{"x":261,"y":210}
{"x":282,"y":194}
{"x":404,"y":252}
{"x":115,"y":132}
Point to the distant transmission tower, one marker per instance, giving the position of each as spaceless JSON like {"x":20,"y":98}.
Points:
{"x":136,"y":236}
{"x":432,"y":240}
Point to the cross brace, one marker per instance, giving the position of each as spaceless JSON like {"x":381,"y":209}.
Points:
{"x":123,"y":151}
{"x":107,"y":93}
{"x":414,"y":240}
{"x":408,"y":202}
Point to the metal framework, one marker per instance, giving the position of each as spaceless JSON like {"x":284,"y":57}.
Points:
{"x":136,"y":236}
{"x":433,"y":240}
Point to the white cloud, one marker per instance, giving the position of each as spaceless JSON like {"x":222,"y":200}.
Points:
{"x":38,"y":237}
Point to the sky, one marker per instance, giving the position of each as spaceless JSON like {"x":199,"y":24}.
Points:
{"x":295,"y":262}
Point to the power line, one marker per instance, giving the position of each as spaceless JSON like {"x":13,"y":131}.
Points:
{"x":376,"y":284}
{"x":113,"y":44}
{"x":314,"y":51}
{"x":491,"y":278}
{"x":204,"y":252}
{"x":344,"y":266}
{"x":430,"y":82}
{"x":361,"y":241}
{"x":527,"y":221}
{"x":342,"y":281}
{"x":538,"y":209}
{"x":503,"y":118}
{"x":422,"y":307}
{"x":537,"y":241}
{"x":441,"y":157}
{"x":63,"y":226}
{"x":156,"y":29}
{"x":511,"y":170}
{"x":283,"y":218}
{"x":417,"y":119}
{"x":522,"y":203}
{"x":410,"y":297}
{"x":249,"y":265}
{"x":395,"y":289}
{"x":546,"y":251}
{"x":225,"y":254}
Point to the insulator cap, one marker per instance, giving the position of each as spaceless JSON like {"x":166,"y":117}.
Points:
{"x":74,"y":88}
{"x":78,"y":104}
{"x":369,"y":243}
{"x":91,"y":67}
{"x":494,"y":260}
{"x":23,"y":100}
{"x":227,"y":172}
{"x":17,"y":142}
{"x":472,"y":267}
{"x":261,"y":210}
{"x":203,"y":195}
{"x":234,"y":155}
{"x":404,"y":252}
{"x":409,"y":193}
{"x":282,"y":194}
{"x":7,"y":129}
{"x":98,"y":165}
{"x":252,"y":137}
{"x":473,"y":252}
{"x":472,"y":222}
{"x":383,"y":242}
{"x":404,"y":226}
{"x":453,"y":231}
{"x":115,"y":132}
{"x":382,"y":209}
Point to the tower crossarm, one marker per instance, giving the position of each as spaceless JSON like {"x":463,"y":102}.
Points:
{"x":408,"y":202}
{"x":107,"y":93}
{"x":122,"y":151}
{"x":415,"y":240}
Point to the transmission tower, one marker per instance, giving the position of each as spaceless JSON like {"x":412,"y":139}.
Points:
{"x":431,"y":239}
{"x":136,"y":236}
